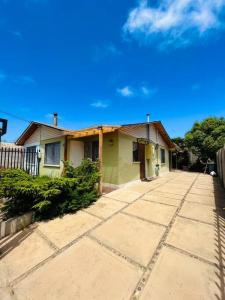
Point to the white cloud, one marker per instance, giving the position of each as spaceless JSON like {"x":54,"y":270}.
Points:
{"x":176,"y":22}
{"x":125,"y":91}
{"x":100,"y":104}
{"x":148,"y":92}
{"x":142,"y":91}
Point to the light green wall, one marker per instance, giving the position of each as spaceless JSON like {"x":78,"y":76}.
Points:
{"x":52,"y":171}
{"x":110,"y":156}
{"x":128,"y":170}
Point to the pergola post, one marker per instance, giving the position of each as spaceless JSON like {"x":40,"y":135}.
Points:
{"x":100,"y":156}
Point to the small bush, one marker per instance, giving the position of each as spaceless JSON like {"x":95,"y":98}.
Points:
{"x":49,"y":197}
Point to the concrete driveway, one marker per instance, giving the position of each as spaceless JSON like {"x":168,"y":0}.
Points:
{"x":151,"y":240}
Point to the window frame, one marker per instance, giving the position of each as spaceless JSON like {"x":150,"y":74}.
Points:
{"x":137,"y":158}
{"x":53,"y":164}
{"x":163,"y":161}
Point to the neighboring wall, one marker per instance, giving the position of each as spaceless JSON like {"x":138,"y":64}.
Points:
{"x":221,"y":164}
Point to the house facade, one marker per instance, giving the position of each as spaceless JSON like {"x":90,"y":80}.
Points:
{"x":126,"y":152}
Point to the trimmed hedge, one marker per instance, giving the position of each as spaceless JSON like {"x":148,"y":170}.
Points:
{"x":49,"y":197}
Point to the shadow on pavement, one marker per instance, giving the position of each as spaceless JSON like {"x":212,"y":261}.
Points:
{"x":11,"y":242}
{"x":219,"y":221}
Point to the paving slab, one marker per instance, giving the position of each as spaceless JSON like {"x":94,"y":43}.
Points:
{"x":6,"y":294}
{"x":124,"y":195}
{"x":208,"y":186}
{"x":142,"y":187}
{"x":199,"y":212}
{"x":160,"y":199}
{"x":62,"y":231}
{"x":178,"y":191}
{"x":152,"y":211}
{"x":207,"y":200}
{"x":167,"y":195}
{"x":130,"y":236}
{"x":203,"y":192}
{"x":177,"y":276}
{"x":105,"y":207}
{"x":194,"y":237}
{"x":20,"y":253}
{"x":84,"y":271}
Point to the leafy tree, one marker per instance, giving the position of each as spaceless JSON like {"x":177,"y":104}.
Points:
{"x":182,"y":155}
{"x":206,"y":137}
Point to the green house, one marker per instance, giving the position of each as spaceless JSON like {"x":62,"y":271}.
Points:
{"x":126,"y":152}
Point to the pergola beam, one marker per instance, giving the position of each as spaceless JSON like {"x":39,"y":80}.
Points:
{"x":100,"y":156}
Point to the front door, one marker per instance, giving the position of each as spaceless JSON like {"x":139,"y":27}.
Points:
{"x":142,"y":160}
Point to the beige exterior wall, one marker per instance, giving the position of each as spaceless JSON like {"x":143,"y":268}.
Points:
{"x":42,"y":133}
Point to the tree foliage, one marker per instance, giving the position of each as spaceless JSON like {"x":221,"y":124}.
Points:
{"x":206,"y":137}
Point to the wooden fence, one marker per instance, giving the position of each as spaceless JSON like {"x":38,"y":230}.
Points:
{"x":220,"y":156}
{"x":19,"y":158}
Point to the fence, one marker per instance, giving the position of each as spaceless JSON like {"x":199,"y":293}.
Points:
{"x":16,"y":158}
{"x":220,"y":155}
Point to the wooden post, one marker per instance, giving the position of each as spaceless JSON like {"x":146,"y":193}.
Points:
{"x":100,"y":157}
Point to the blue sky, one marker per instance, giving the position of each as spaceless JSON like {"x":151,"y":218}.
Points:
{"x":111,"y":62}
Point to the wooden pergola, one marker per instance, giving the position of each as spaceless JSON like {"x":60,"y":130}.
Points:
{"x":93,"y":131}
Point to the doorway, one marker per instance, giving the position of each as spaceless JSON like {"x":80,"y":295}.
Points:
{"x":142,"y":160}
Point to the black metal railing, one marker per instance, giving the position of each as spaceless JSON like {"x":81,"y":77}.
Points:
{"x":20,"y":158}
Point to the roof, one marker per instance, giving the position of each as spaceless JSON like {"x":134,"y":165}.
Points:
{"x":93,"y":131}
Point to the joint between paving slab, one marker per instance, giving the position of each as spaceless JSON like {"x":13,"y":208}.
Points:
{"x":118,"y":253}
{"x":206,"y":261}
{"x":160,"y":202}
{"x":142,"y":219}
{"x":195,"y":220}
{"x":140,"y":286}
{"x":93,"y":215}
{"x":46,"y":239}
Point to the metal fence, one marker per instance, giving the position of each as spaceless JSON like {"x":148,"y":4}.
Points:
{"x":221,"y":164}
{"x":19,"y":158}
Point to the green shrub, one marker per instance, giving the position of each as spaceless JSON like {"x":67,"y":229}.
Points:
{"x":49,"y":197}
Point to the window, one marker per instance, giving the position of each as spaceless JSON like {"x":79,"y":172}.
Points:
{"x":52,"y":154}
{"x":91,"y":150}
{"x":135,"y":152}
{"x":163,"y":158}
